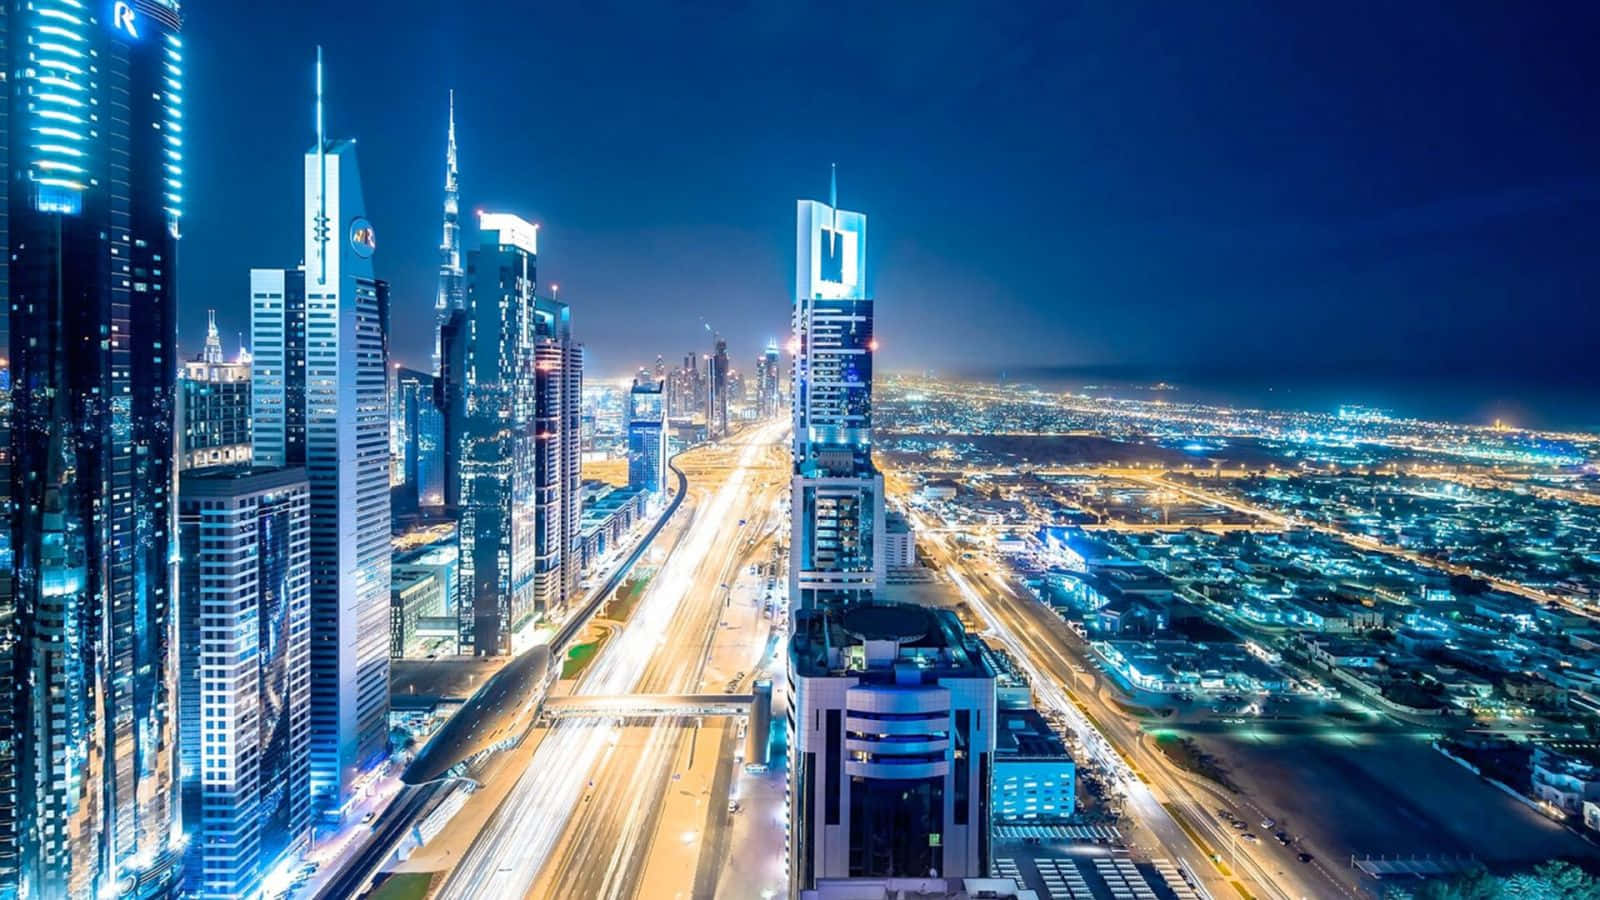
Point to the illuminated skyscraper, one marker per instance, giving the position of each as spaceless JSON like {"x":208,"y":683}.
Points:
{"x":768,"y":381}
{"x":892,"y":706}
{"x":245,"y":619}
{"x":452,"y":292}
{"x":647,"y":436}
{"x":321,"y":401}
{"x":421,"y":454}
{"x":837,"y":493}
{"x":717,"y":391}
{"x":94,"y":184}
{"x":514,"y":389}
{"x":214,"y":407}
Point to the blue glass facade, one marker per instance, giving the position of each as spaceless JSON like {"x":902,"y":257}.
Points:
{"x":87,"y":724}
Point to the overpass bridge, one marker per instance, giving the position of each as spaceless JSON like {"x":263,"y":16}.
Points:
{"x":642,"y":706}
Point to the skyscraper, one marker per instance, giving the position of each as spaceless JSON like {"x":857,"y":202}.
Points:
{"x":94,"y":175}
{"x":893,"y":706}
{"x":837,"y":492}
{"x":647,"y":437}
{"x":514,"y":395}
{"x":500,"y":512}
{"x":214,"y":407}
{"x":319,"y":334}
{"x":245,"y":620}
{"x":717,"y":410}
{"x":421,"y":455}
{"x":452,"y":293}
{"x":767,"y":381}
{"x":278,"y":367}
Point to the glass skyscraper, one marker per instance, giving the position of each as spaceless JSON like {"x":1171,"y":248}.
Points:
{"x":245,"y":620}
{"x":837,"y":493}
{"x":513,"y":383}
{"x":94,"y":164}
{"x":647,"y":437}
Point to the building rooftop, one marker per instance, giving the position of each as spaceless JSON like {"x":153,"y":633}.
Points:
{"x":886,"y":643}
{"x":1024,"y":734}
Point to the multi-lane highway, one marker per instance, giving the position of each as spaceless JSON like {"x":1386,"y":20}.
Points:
{"x":580,"y":819}
{"x":1177,"y":812}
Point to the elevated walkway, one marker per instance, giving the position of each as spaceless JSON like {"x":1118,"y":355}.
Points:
{"x":640,"y":706}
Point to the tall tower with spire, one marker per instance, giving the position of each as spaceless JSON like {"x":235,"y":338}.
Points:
{"x":452,"y":292}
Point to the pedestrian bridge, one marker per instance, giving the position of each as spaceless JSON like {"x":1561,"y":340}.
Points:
{"x":637,"y":706}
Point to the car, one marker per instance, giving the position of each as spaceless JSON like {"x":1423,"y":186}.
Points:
{"x":1240,"y":824}
{"x":733,"y":806}
{"x":1248,"y":838}
{"x":1306,"y":857}
{"x":1224,"y":814}
{"x":1268,"y":823}
{"x":1283,"y":838}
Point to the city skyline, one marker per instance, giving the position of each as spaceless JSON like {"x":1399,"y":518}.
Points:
{"x":1169,"y":221}
{"x":401,"y":599}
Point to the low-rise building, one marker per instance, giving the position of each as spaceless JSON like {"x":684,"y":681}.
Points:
{"x":899,"y":542}
{"x":1567,"y":775}
{"x":1035,"y":780}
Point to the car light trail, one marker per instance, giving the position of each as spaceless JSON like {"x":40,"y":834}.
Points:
{"x":508,"y":855}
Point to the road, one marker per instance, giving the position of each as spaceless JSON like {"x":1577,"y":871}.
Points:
{"x":732,"y":489}
{"x":1156,"y":794}
{"x":359,"y":851}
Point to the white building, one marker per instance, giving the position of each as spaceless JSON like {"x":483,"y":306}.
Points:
{"x":837,"y":519}
{"x":893,"y":717}
{"x":899,"y":542}
{"x":320,"y":396}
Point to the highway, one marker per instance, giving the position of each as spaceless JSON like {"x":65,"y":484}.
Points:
{"x":1044,"y":648}
{"x":584,"y":764}
{"x":500,"y":704}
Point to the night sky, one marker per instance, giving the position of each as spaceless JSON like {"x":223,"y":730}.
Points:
{"x":1262,"y":187}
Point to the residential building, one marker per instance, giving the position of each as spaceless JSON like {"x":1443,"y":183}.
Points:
{"x":1567,"y":775}
{"x":647,"y":437}
{"x":893,"y":723}
{"x":93,"y":197}
{"x":329,"y":376}
{"x":245,"y":721}
{"x":214,"y":407}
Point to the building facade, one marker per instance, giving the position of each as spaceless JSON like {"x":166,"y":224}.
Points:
{"x":893,"y":718}
{"x":647,"y":437}
{"x":214,"y":407}
{"x":321,"y":400}
{"x":94,"y":156}
{"x":836,"y":503}
{"x":420,"y":423}
{"x":245,"y":620}
{"x":513,"y":390}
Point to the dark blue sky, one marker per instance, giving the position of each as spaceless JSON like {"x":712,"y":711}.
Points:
{"x":1258,"y":186}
